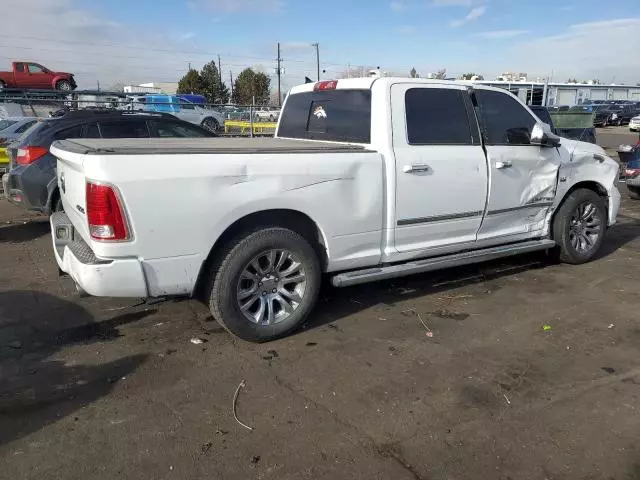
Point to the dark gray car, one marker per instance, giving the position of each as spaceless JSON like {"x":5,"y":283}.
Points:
{"x":31,"y":182}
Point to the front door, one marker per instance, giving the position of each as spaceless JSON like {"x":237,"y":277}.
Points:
{"x":522,"y":177}
{"x":441,"y":171}
{"x":39,"y":76}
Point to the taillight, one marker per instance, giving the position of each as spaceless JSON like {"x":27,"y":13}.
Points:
{"x":326,"y":85}
{"x":104,"y":213}
{"x":27,"y":155}
{"x":632,"y":172}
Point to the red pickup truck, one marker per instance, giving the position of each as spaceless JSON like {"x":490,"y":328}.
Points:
{"x":32,"y":75}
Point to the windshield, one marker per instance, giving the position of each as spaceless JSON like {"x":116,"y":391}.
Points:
{"x":6,"y":124}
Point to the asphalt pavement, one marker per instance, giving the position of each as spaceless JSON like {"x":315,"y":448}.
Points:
{"x":531,"y":371}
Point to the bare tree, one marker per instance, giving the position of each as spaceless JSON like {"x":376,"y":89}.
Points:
{"x":441,"y":74}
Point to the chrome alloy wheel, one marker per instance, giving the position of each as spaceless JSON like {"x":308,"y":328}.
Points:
{"x":271,"y":287}
{"x":585,"y":227}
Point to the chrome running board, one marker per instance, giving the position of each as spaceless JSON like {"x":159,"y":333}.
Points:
{"x":438,"y":263}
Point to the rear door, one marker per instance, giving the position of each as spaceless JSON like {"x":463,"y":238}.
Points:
{"x":522,"y":177}
{"x":441,"y":169}
{"x":21,"y":76}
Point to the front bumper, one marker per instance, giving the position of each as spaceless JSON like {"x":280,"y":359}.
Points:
{"x":122,"y":277}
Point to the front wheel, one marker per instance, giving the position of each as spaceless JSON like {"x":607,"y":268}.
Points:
{"x":211,"y":124}
{"x":2,"y":86}
{"x":63,"y":85}
{"x":579,"y":226}
{"x":266,"y":284}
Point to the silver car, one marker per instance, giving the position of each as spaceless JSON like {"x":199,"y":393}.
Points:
{"x":12,"y":127}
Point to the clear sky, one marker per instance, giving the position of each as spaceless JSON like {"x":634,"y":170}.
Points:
{"x":120,"y":41}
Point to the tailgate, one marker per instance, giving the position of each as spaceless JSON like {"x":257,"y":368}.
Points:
{"x":71,"y":184}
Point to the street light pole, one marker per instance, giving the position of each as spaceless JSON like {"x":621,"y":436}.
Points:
{"x":317,"y":45}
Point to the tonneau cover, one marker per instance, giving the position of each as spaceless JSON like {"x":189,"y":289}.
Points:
{"x":169,"y":146}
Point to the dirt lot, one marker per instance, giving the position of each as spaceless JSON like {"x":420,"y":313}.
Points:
{"x":106,"y":389}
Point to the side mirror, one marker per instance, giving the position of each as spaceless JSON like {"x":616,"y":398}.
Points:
{"x":542,"y":135}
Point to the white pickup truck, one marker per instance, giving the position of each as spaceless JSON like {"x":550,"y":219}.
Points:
{"x":367,"y":179}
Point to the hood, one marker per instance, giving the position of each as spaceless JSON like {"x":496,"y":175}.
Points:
{"x":578,"y":148}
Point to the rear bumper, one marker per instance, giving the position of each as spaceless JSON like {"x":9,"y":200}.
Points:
{"x":123,"y":277}
{"x":14,"y":189}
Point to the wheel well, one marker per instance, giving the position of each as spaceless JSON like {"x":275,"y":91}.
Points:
{"x":55,"y":195}
{"x":291,"y":219}
{"x":587,"y":185}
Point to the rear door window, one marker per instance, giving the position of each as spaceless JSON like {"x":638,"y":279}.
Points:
{"x":91,"y":131}
{"x":163,"y":128}
{"x":437,"y":116}
{"x":124,"y":129}
{"x":331,"y":115}
{"x":72,"y":132}
{"x":505,"y":121}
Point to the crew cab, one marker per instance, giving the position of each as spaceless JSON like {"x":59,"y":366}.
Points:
{"x":28,"y":75}
{"x":367,"y":179}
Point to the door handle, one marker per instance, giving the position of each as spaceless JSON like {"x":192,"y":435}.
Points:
{"x":414,"y":168}
{"x":504,"y":164}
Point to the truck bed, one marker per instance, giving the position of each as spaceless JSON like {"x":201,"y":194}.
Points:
{"x":219,"y":145}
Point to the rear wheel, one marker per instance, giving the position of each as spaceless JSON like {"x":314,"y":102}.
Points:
{"x":579,"y":226}
{"x":634,"y":192}
{"x":2,"y":85}
{"x":63,"y":85}
{"x":265,"y":284}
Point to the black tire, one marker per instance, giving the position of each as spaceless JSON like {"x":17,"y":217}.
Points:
{"x":2,"y":86}
{"x":634,"y":192}
{"x":211,"y":124}
{"x":226,"y":275}
{"x":567,"y":253}
{"x":64,"y":86}
{"x":56,"y":205}
{"x":619,"y":123}
{"x":272,"y":118}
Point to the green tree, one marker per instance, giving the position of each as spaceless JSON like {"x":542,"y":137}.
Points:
{"x":249,"y":85}
{"x":414,"y":73}
{"x":215,"y":91}
{"x":191,"y":83}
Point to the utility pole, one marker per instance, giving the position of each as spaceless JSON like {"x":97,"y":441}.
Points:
{"x":231,"y":83}
{"x":279,"y":70}
{"x":189,"y":66}
{"x":98,"y":84}
{"x":220,"y":73}
{"x":317,"y":45}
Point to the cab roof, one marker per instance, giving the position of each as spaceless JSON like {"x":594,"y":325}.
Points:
{"x":366,"y":83}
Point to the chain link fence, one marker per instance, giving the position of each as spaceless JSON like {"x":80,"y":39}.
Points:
{"x":223,"y":119}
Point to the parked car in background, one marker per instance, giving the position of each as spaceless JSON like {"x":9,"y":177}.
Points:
{"x":11,"y":128}
{"x":632,"y":173}
{"x":582,"y":133}
{"x":28,"y":75}
{"x":181,"y":108}
{"x":622,"y":114}
{"x":31,"y":181}
{"x":634,"y":124}
{"x":265,"y":114}
{"x":366,"y":180}
{"x":601,"y":115}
